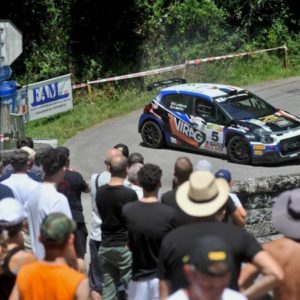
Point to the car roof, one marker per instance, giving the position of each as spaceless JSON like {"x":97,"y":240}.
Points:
{"x":211,"y":90}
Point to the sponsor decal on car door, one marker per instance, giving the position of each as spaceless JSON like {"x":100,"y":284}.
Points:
{"x":185,"y":133}
{"x":214,"y":138}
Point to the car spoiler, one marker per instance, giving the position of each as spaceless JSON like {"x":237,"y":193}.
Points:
{"x":165,"y":82}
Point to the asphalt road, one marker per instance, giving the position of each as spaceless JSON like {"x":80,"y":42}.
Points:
{"x":88,"y":147}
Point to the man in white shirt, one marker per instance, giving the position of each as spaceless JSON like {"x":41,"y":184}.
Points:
{"x":45,"y":199}
{"x":19,"y":182}
{"x":21,"y":185}
{"x":132,"y":179}
{"x":240,"y":214}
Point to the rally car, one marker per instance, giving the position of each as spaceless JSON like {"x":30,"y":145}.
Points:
{"x":219,"y":119}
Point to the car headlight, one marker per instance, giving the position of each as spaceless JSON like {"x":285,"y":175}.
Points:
{"x":266,"y":139}
{"x":263,"y":136}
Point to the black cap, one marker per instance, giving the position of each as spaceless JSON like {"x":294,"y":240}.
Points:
{"x":123,"y":148}
{"x":211,"y":255}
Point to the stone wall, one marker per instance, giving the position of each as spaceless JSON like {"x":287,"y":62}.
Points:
{"x":257,"y":196}
{"x":39,"y":148}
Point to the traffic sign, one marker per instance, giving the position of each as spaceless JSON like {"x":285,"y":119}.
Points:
{"x":11,"y":44}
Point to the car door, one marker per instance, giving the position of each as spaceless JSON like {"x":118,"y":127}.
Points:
{"x":181,"y":131}
{"x":213,"y":125}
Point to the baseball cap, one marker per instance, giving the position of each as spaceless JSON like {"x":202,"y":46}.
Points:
{"x":203,"y":165}
{"x":211,"y":255}
{"x":56,"y":227}
{"x":223,"y":173}
{"x":11,"y":212}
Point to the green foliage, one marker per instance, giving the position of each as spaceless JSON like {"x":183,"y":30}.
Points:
{"x":181,"y":29}
{"x":49,"y":56}
{"x":91,"y":69}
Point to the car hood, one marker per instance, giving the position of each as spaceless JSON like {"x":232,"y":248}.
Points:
{"x":277,"y":122}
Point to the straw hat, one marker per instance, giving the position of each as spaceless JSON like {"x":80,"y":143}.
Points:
{"x":203,"y":194}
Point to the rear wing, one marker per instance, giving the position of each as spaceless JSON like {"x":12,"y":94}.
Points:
{"x":165,"y":82}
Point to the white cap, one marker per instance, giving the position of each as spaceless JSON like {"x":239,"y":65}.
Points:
{"x":11,"y":212}
{"x":31,"y":152}
{"x":203,"y":165}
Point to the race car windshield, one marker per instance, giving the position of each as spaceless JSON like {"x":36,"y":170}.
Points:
{"x":245,"y":106}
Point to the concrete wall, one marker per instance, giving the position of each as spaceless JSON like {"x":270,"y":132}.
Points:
{"x":257,"y":196}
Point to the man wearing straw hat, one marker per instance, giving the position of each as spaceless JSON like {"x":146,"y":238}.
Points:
{"x":204,"y":197}
{"x":286,"y":250}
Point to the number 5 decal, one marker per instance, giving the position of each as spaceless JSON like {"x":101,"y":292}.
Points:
{"x":215,"y":136}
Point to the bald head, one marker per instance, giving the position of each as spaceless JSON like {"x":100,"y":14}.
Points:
{"x":110,"y":154}
{"x":118,"y":166}
{"x":183,"y":169}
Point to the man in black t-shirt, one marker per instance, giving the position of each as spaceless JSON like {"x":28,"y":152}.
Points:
{"x":113,"y":253}
{"x":148,"y":221}
{"x":204,"y":197}
{"x":72,"y":186}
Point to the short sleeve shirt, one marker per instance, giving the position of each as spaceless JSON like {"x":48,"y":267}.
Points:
{"x":110,"y":201}
{"x":147,"y":224}
{"x":72,"y":186}
{"x":176,"y":244}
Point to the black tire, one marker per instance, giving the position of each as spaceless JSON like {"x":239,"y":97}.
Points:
{"x":152,"y":135}
{"x":238,"y":150}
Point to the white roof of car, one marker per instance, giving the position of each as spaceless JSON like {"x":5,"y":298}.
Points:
{"x":209,"y":89}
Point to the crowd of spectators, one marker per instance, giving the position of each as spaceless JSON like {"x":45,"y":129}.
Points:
{"x":187,"y":243}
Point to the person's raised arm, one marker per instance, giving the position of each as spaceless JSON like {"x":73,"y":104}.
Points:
{"x":271,"y":273}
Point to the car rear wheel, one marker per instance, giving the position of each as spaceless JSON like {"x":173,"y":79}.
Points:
{"x":238,"y":150}
{"x":152,"y":135}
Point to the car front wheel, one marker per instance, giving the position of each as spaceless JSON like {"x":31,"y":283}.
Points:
{"x":238,"y":150}
{"x":152,"y":135}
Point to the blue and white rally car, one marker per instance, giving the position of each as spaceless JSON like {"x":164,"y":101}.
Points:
{"x":219,"y":119}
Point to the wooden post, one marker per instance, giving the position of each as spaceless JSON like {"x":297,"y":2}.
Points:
{"x":89,"y":89}
{"x":184,"y":70}
{"x":286,"y":62}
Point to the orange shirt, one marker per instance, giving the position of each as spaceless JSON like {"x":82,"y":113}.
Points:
{"x":42,"y":280}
